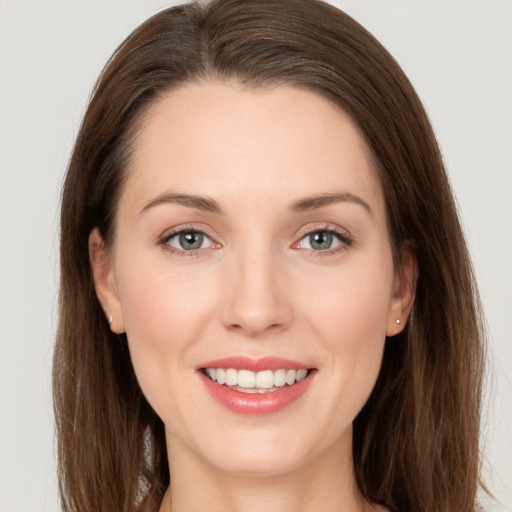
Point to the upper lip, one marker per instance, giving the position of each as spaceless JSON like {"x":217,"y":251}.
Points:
{"x":254,"y":364}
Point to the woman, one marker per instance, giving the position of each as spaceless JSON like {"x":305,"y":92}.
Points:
{"x":266,"y":297}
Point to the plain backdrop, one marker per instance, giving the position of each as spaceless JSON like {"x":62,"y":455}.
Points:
{"x":458,"y":55}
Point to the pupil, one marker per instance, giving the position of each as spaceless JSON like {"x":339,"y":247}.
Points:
{"x":191,"y":240}
{"x":320,"y":240}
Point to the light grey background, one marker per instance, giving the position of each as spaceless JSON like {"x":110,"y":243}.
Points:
{"x":458,"y":54}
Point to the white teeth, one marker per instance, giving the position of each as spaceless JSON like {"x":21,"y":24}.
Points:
{"x":231,"y":377}
{"x":265,"y":379}
{"x":290,"y":377}
{"x":246,"y":379}
{"x":255,"y":382}
{"x":280,"y":377}
{"x":221,"y":375}
{"x":301,"y":375}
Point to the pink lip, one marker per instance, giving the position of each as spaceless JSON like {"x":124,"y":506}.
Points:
{"x":255,"y":365}
{"x":257,"y":404}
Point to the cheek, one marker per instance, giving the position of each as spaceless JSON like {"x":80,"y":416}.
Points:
{"x":161,"y":305}
{"x":349,"y":318}
{"x":163,"y":317}
{"x":148,"y":305}
{"x":352,"y":305}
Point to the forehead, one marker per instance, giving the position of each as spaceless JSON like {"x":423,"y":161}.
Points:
{"x":224,"y":140}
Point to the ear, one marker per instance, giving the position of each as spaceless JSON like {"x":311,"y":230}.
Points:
{"x":403,"y":292}
{"x":104,"y":281}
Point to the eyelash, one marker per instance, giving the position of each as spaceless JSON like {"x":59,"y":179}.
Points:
{"x":164,"y":242}
{"x":345,"y":241}
{"x":344,"y":238}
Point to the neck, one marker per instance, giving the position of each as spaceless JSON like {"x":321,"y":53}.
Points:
{"x":324,"y":484}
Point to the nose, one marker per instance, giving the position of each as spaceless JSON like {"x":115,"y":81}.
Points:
{"x":257,"y":302}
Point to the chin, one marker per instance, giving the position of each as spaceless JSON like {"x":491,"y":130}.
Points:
{"x":258,"y":464}
{"x":266,"y":452}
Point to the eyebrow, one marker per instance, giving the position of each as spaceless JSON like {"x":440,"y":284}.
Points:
{"x":321,"y":200}
{"x":190,"y":200}
{"x":207,"y":204}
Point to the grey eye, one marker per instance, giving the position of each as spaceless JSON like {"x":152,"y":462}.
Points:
{"x":320,"y":241}
{"x":189,"y":241}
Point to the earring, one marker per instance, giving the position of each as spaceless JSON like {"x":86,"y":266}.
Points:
{"x":110,"y":320}
{"x":397,"y":320}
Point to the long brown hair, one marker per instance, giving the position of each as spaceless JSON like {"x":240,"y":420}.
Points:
{"x":415,"y":445}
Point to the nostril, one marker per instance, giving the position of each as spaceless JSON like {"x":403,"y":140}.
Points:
{"x":256,"y":307}
{"x":254,"y":329}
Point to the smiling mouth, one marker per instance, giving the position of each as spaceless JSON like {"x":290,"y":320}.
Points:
{"x":247,"y":381}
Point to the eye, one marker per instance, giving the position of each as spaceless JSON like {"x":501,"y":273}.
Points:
{"x":323,"y":240}
{"x":188,"y":240}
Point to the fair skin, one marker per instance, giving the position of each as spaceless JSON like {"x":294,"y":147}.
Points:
{"x":266,"y":267}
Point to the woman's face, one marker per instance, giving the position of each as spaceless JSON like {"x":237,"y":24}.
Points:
{"x":251,"y":245}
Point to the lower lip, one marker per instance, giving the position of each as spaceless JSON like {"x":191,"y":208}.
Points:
{"x":257,"y":404}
